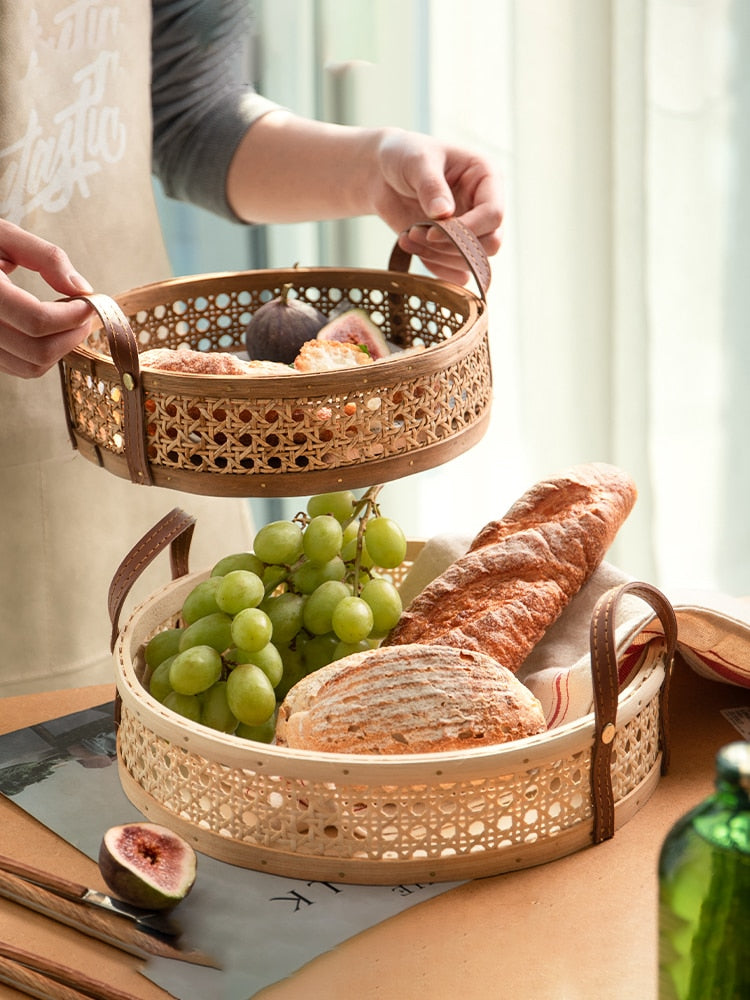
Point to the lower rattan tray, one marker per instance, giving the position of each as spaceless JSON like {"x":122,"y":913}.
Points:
{"x":376,"y":820}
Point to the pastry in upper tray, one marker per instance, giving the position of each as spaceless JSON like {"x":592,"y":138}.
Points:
{"x":348,"y":340}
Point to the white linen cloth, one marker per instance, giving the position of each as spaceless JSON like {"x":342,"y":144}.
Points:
{"x":713,"y":634}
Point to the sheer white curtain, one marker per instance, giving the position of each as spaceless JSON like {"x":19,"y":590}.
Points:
{"x":628,"y":238}
{"x":622,"y":128}
{"x":620,"y":298}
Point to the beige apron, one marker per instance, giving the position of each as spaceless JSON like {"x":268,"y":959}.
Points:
{"x":75,"y":168}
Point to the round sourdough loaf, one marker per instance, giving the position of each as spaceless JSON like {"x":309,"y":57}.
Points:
{"x":408,"y":699}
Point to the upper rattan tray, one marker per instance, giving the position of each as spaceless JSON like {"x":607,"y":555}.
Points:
{"x":295,"y":434}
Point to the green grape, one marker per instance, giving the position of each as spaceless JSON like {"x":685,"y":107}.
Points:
{"x":285,"y":612}
{"x":211,"y":630}
{"x":201,"y":600}
{"x":349,"y":553}
{"x":162,"y":645}
{"x":351,"y":530}
{"x":352,"y":619}
{"x":251,"y":629}
{"x":294,"y":670}
{"x":318,"y":611}
{"x":309,"y":576}
{"x":215,"y":711}
{"x":238,"y":560}
{"x":343,"y":649}
{"x":339,"y":504}
{"x":334,"y":569}
{"x":318,"y":651}
{"x":279,"y":543}
{"x":159,"y":686}
{"x":186,"y":705}
{"x":268,"y":659}
{"x":322,"y":539}
{"x":250,"y":695}
{"x":239,"y":588}
{"x":385,"y":604}
{"x":273,"y":577}
{"x":386,"y":542}
{"x":195,"y":670}
{"x":306,"y":578}
{"x":264,"y":733}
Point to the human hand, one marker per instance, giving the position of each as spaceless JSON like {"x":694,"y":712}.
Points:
{"x":420,"y":178}
{"x":34,"y":335}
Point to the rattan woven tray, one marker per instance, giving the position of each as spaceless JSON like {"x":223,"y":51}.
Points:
{"x":295,"y":434}
{"x":375,"y":820}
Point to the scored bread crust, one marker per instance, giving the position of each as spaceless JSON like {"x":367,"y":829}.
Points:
{"x":521,"y":571}
{"x":184,"y":359}
{"x":407,"y":699}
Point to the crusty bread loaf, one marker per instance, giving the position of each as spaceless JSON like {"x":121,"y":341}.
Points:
{"x":521,"y":571}
{"x":407,"y":699}
{"x":185,"y":360}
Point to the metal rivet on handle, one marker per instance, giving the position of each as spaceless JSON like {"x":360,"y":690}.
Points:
{"x":608,"y":733}
{"x":128,"y":381}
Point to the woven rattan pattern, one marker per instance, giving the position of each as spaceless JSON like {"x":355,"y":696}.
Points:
{"x":382,"y":411}
{"x":428,"y":821}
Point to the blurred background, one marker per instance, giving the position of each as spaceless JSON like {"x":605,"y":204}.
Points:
{"x":620,"y":300}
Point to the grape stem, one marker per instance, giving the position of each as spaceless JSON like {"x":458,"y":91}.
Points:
{"x":365,"y":507}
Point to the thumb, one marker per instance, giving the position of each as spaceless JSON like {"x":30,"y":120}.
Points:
{"x":435,"y":198}
{"x":433,"y":191}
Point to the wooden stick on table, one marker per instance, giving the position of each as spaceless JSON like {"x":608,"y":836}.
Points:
{"x":41,"y":977}
{"x":111,"y":929}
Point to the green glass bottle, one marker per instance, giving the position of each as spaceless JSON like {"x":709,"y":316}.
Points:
{"x":704,"y":891}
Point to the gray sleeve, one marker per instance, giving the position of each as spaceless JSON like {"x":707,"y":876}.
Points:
{"x":202,"y":104}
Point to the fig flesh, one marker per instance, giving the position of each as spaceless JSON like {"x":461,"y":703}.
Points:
{"x":354,"y":326}
{"x":147,"y":865}
{"x":280,"y":327}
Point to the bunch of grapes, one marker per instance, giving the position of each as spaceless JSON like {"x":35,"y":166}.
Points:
{"x":309,"y":593}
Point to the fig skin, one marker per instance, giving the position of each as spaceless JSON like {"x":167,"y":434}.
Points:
{"x":147,"y":865}
{"x":280,"y":327}
{"x":354,"y":326}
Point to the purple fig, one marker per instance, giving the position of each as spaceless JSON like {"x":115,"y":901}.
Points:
{"x":280,"y":327}
{"x":147,"y":865}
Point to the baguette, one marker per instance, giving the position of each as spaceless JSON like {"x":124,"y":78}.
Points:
{"x":410,"y":699}
{"x":521,"y":571}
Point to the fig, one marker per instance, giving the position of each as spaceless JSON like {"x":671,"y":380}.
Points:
{"x":280,"y":327}
{"x":354,"y":326}
{"x":147,"y":865}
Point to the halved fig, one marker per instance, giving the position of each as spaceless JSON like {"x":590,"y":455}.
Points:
{"x":147,"y":865}
{"x":355,"y":327}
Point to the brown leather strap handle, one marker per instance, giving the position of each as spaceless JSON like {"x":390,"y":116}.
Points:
{"x":464,"y":239}
{"x":174,"y":530}
{"x":124,"y":351}
{"x":606,"y":693}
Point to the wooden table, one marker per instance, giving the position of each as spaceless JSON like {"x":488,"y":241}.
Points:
{"x":580,"y":928}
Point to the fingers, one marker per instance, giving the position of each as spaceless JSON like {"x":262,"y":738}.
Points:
{"x":34,"y":335}
{"x":478,"y":205}
{"x":441,"y":256}
{"x":21,"y":249}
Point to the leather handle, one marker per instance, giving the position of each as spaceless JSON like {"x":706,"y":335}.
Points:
{"x":174,"y":530}
{"x":124,"y":352}
{"x":465,"y":241}
{"x":606,"y":693}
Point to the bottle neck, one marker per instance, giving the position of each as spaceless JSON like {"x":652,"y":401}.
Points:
{"x":732,"y":791}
